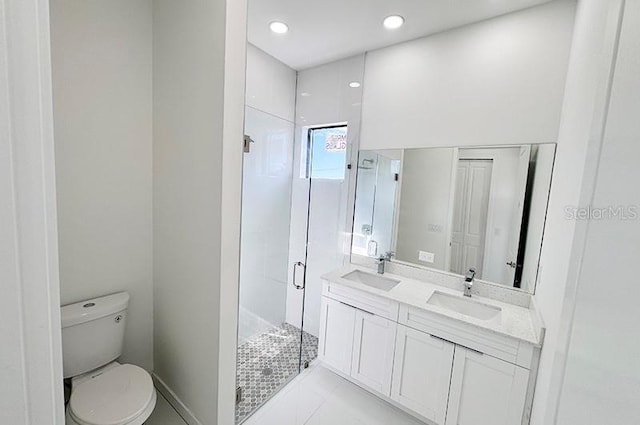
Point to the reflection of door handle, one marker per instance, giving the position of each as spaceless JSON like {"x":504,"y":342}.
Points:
{"x":512,"y":264}
{"x":295,"y":266}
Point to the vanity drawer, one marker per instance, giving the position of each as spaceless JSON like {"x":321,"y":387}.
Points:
{"x":484,"y":341}
{"x":361,"y":300}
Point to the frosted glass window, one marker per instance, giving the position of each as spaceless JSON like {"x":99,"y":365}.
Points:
{"x":327,"y":153}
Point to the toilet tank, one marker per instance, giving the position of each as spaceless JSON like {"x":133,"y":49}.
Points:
{"x":92,"y":333}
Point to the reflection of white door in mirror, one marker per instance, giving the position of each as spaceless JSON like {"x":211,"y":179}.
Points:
{"x":505,"y":211}
{"x":473,"y":184}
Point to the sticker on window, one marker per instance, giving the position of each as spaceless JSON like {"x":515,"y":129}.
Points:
{"x":336,"y":143}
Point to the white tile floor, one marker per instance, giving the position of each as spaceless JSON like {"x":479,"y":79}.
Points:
{"x":316,"y":397}
{"x":320,"y":397}
{"x":164,"y":414}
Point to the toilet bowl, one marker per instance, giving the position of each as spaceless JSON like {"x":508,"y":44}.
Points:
{"x":103,"y":391}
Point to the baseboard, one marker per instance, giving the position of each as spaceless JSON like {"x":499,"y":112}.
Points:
{"x":174,"y":401}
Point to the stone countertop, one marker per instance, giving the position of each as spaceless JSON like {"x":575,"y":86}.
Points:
{"x":516,"y":322}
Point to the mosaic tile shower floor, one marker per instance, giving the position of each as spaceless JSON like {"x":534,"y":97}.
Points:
{"x":267,"y":361}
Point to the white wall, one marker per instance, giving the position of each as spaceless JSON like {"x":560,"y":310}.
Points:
{"x":328,"y":99}
{"x":424,"y":200}
{"x":101,"y":57}
{"x":602,"y":376}
{"x":271,"y":85}
{"x":497,"y":81}
{"x":189,"y":106}
{"x":580,"y":133}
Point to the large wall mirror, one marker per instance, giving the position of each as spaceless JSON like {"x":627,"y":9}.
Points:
{"x":453,"y":209}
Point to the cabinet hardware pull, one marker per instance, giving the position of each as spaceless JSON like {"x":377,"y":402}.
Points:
{"x":359,"y":309}
{"x":451,"y":342}
{"x":441,"y":339}
{"x":472,"y":350}
{"x":364,"y":311}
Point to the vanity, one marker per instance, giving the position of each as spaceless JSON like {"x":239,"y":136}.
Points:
{"x":446,"y":329}
{"x":445,"y":358}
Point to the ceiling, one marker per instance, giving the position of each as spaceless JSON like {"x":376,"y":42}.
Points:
{"x":323,"y":31}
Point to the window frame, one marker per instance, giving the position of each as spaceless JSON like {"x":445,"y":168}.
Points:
{"x":308,"y":151}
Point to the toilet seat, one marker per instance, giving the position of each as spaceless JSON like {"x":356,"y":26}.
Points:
{"x":121,"y":395}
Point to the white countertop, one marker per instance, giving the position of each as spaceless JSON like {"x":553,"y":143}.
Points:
{"x":516,"y":322}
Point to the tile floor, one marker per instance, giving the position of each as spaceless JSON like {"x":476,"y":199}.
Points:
{"x":320,"y":397}
{"x":316,"y":397}
{"x":164,"y":414}
{"x":267,"y":361}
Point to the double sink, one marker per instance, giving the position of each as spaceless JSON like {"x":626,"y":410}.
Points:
{"x":454,"y":303}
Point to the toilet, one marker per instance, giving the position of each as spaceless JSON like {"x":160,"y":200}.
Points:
{"x":103,"y":391}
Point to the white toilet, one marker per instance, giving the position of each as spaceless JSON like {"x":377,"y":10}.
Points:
{"x":103,"y":391}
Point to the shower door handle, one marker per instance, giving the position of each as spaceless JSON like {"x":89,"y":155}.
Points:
{"x":295,"y":267}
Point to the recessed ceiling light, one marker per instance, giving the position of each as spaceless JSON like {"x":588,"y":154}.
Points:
{"x":354,"y":84}
{"x":305,"y":94}
{"x":279,"y":27}
{"x":393,"y":22}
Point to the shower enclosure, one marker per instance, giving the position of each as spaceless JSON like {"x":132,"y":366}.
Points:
{"x":300,"y":129}
{"x":269,"y":346}
{"x":279,"y":182}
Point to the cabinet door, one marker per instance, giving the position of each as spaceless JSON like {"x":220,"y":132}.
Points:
{"x":486,"y":390}
{"x":372,"y":360}
{"x":422,"y":373}
{"x":336,"y":334}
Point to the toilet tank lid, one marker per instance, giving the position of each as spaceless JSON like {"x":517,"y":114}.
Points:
{"x":88,"y":310}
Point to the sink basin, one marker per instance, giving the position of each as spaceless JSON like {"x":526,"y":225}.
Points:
{"x":465,"y":306}
{"x":370,"y":279}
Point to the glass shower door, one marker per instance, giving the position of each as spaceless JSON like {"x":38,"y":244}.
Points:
{"x":269,"y":327}
{"x":324,"y":214}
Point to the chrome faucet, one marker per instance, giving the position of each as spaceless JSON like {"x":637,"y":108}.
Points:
{"x":383,"y":259}
{"x":468,"y":281}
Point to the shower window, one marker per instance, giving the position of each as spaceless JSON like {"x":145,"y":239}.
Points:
{"x":326,"y":153}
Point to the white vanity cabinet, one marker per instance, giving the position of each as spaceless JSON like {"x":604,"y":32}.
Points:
{"x":358,"y":344}
{"x":486,"y":390}
{"x":444,"y":371}
{"x":422,"y":373}
{"x":372,"y":359}
{"x":336,"y":334}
